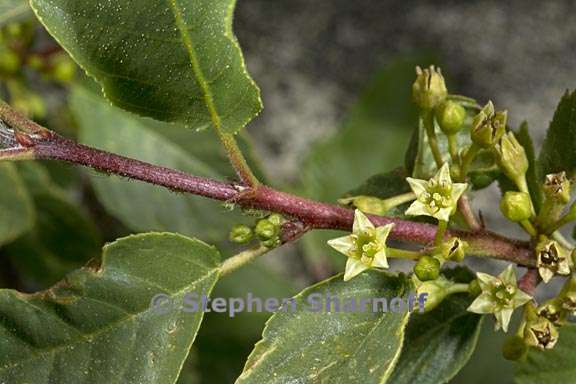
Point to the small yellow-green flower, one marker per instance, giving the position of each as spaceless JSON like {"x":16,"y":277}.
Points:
{"x":365,"y":247}
{"x":436,"y":197}
{"x":500,"y":296}
{"x":541,"y":333}
{"x":551,"y":259}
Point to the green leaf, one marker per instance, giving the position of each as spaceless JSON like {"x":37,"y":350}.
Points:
{"x":16,"y":208}
{"x":62,"y":239}
{"x":383,"y":185}
{"x":557,"y":152}
{"x":555,"y":366}
{"x":141,"y":206}
{"x":97,"y":325}
{"x":13,"y":10}
{"x":438,"y":344}
{"x":174,"y":60}
{"x":339,"y":347}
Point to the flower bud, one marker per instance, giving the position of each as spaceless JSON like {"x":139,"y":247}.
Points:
{"x":488,"y":126}
{"x":516,"y":206}
{"x":241,"y":233}
{"x":454,"y":249}
{"x":35,"y":62}
{"x":14,"y":29}
{"x":266,"y":230}
{"x":275,"y":219}
{"x":427,"y":268}
{"x":514,"y":348}
{"x":367,"y":204}
{"x":436,"y":291}
{"x":450,"y":117}
{"x":429,"y":89}
{"x":271,"y":243}
{"x":63,"y":69}
{"x":557,"y":188}
{"x":511,"y":157}
{"x":9,"y":62}
{"x":540,"y":333}
{"x":474,"y":288}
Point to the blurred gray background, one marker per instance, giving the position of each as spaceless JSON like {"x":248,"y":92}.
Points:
{"x":313,"y":58}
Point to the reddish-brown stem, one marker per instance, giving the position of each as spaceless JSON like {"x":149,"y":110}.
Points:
{"x":310,"y":214}
{"x":529,"y":281}
{"x":466,"y":210}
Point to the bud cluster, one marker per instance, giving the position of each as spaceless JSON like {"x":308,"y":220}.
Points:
{"x":266,"y":230}
{"x":19,"y":55}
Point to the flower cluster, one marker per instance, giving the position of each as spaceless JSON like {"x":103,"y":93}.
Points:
{"x":472,"y":134}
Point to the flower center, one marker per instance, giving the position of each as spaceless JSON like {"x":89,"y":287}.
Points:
{"x":438,"y":195}
{"x":544,"y":337}
{"x":550,"y":257}
{"x":365,"y":246}
{"x":503,"y":293}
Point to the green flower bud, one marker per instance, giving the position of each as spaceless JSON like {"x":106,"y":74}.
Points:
{"x":450,"y":117}
{"x":429,"y":89}
{"x":436,"y":291}
{"x":516,"y":206}
{"x":427,"y":268}
{"x":557,"y":188}
{"x":514,"y":348}
{"x":367,"y":204}
{"x":540,"y":333}
{"x":9,"y":62}
{"x":454,"y":249}
{"x":474,"y":288}
{"x":35,"y":62}
{"x":271,"y":243}
{"x":511,"y":157}
{"x":241,"y":233}
{"x":14,"y":30}
{"x":266,"y":230}
{"x":275,"y":219}
{"x":488,"y":126}
{"x":63,"y":69}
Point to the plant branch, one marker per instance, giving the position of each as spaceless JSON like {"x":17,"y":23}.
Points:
{"x":308,"y":214}
{"x":239,"y":260}
{"x":237,"y":159}
{"x":465,"y":209}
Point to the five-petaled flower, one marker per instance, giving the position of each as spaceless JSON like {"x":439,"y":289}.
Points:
{"x":500,"y":296}
{"x":436,"y":197}
{"x":365,"y":247}
{"x":552,"y":259}
{"x":541,"y":333}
